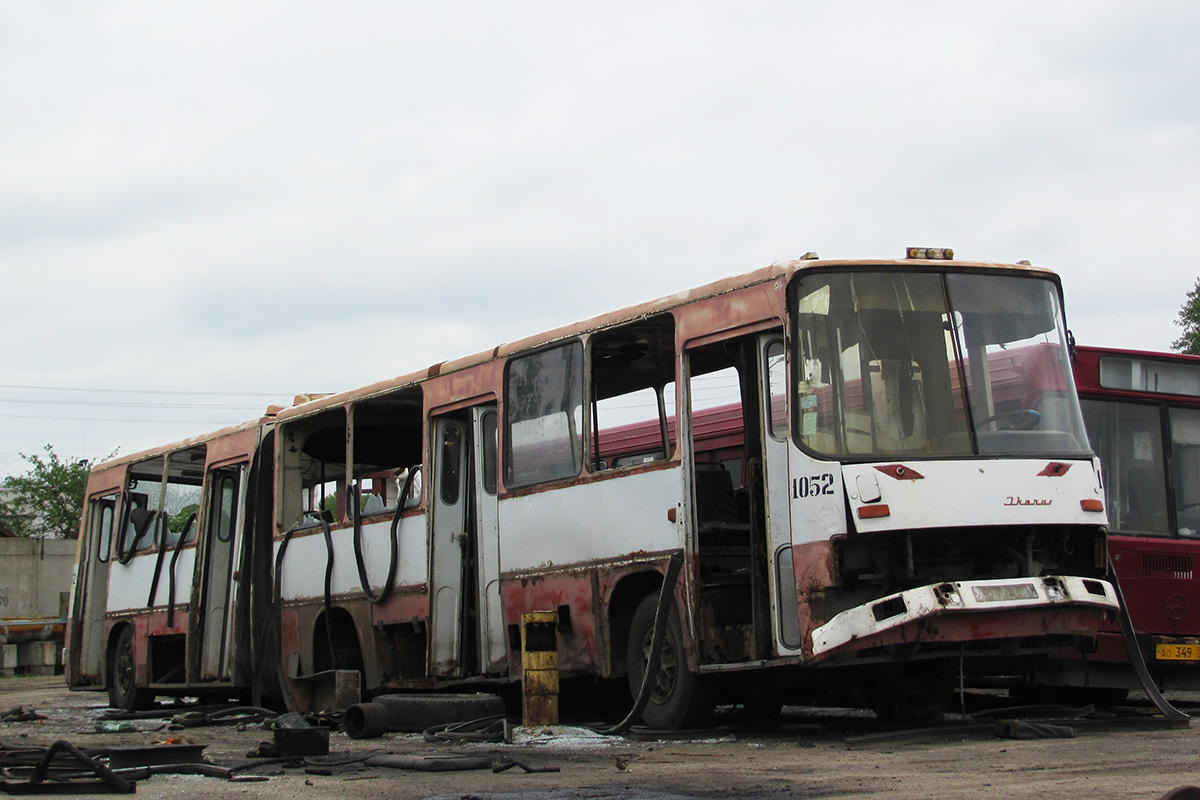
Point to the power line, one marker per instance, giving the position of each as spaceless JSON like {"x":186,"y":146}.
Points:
{"x":121,"y":405}
{"x":143,"y":391}
{"x":225,"y":421}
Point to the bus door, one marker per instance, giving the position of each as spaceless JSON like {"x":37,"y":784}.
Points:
{"x":494,"y":651}
{"x":777,"y":491}
{"x":214,"y":585}
{"x":466,"y":629}
{"x":739,"y":484}
{"x":90,"y":591}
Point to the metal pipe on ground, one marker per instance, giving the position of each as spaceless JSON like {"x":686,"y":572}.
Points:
{"x":413,"y":713}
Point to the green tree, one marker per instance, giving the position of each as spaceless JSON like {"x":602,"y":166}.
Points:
{"x":1189,"y":320}
{"x":46,"y":501}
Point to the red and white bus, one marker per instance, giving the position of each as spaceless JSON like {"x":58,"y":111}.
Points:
{"x":908,"y":501}
{"x":1142,"y":412}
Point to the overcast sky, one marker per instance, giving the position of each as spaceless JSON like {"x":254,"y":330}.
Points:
{"x":263,"y":198}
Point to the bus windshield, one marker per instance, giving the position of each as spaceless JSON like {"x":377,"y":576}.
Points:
{"x":931,"y":364}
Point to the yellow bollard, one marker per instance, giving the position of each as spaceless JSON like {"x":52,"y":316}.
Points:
{"x":539,"y":668}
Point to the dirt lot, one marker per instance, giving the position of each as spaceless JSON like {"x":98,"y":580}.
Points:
{"x":813,"y":753}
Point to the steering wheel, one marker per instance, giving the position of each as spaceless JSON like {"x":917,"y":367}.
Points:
{"x":1032,"y":418}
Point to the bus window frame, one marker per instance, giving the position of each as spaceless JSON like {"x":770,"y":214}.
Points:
{"x":958,"y":368}
{"x":576,"y":439}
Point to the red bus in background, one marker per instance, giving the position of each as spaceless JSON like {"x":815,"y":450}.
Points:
{"x":1142,"y":414}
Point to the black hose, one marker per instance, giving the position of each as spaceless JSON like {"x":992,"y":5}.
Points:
{"x":277,"y":605}
{"x":191,"y":520}
{"x":125,"y":556}
{"x":394,"y":551}
{"x":1135,"y":654}
{"x":237,"y":715}
{"x":272,"y":619}
{"x":674,"y":567}
{"x":158,"y":561}
{"x":115,"y":781}
{"x":325,"y":529}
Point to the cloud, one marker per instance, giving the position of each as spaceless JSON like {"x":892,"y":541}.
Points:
{"x":308,"y":196}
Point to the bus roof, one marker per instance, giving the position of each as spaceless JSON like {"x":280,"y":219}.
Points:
{"x":310,"y":404}
{"x":182,"y":444}
{"x":778,"y":270}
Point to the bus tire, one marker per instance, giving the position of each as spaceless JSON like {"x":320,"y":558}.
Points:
{"x":679,"y":698}
{"x":123,"y":691}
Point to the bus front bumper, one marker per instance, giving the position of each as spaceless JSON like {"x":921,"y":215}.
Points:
{"x":964,"y":611}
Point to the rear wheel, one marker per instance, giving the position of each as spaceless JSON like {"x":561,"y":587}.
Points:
{"x":679,"y":698}
{"x":123,"y":691}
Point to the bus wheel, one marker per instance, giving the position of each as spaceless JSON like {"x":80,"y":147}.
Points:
{"x":123,"y":691}
{"x":678,"y":697}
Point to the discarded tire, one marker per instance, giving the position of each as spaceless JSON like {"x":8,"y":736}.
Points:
{"x":412,"y":713}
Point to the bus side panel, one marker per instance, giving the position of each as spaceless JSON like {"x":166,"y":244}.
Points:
{"x":577,"y":650}
{"x":129,"y":584}
{"x":306,"y":557}
{"x":588,"y":522}
{"x":813,"y":568}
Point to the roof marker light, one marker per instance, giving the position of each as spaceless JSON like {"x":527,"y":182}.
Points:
{"x":809,"y":256}
{"x":933,"y":253}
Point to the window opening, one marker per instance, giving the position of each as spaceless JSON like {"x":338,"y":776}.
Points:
{"x":451,"y":477}
{"x":1128,"y":438}
{"x":633,"y":394}
{"x":1185,"y":469}
{"x":488,"y":423}
{"x":102,"y":512}
{"x":162,"y":495}
{"x":775,"y":369}
{"x":312,"y":470}
{"x":1148,"y":375}
{"x":225,"y":497}
{"x":543,"y":396}
{"x":922,"y":364}
{"x":387,"y":446}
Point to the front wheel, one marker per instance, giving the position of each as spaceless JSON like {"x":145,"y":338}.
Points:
{"x":679,"y":698}
{"x":123,"y":691}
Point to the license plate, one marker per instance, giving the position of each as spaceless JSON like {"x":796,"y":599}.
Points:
{"x":1177,"y":652}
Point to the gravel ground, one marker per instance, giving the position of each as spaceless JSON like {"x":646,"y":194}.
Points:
{"x":813,"y":753}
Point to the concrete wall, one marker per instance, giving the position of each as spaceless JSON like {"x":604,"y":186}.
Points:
{"x":35,"y":577}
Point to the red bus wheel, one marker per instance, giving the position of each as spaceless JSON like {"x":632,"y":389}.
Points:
{"x":123,"y":691}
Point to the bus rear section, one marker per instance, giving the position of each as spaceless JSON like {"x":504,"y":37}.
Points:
{"x":1142,"y":412}
{"x":168,"y":584}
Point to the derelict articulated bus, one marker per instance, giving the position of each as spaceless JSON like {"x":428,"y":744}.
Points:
{"x":901,"y":512}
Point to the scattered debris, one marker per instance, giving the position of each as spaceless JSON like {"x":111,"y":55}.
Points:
{"x":508,"y":763}
{"x":21,"y":714}
{"x":108,"y":781}
{"x":434,"y":763}
{"x":1023,"y":729}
